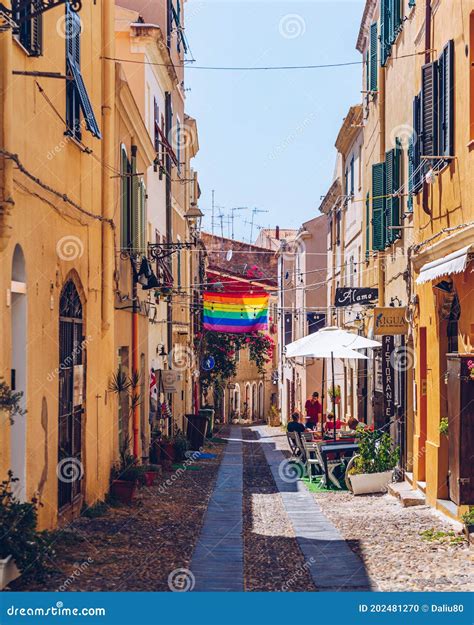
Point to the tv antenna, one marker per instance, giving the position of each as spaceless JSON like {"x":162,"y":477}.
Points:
{"x":232,"y":216}
{"x":254,"y":212}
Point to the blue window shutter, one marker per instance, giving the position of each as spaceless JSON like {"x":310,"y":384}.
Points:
{"x":446,"y":100}
{"x":373,"y":56}
{"x":378,"y":206}
{"x":429,"y":110}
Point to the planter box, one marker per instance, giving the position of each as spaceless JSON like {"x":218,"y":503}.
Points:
{"x":124,"y":491}
{"x":366,"y":483}
{"x":8,"y":571}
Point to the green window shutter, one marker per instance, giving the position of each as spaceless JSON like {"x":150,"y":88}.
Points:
{"x":124,"y":200}
{"x":429,"y":111}
{"x":411,"y":169}
{"x":134,"y":207}
{"x":385,"y":29}
{"x":392,"y":186}
{"x":367,"y":68}
{"x":141,"y":216}
{"x":373,"y":57}
{"x":417,"y":170}
{"x":378,"y":206}
{"x":446,"y":100}
{"x":397,"y":17}
{"x":367,"y":226}
{"x":352,"y":176}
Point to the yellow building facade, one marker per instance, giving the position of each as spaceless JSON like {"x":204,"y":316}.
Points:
{"x":56,"y":247}
{"x":418,"y":91}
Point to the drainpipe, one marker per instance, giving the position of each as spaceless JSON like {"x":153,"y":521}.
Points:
{"x":169,"y":236}
{"x":382,"y":120}
{"x":108,"y":160}
{"x":135,"y":309}
{"x":6,"y":131}
{"x":428,"y":13}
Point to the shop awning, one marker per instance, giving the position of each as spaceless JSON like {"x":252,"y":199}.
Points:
{"x":456,"y":262}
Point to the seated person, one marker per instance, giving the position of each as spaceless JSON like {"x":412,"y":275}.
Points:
{"x":353,"y":423}
{"x":332,"y":423}
{"x":295,"y":425}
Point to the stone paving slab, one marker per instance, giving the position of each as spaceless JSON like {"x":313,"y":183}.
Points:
{"x":218,"y":559}
{"x":333,"y":564}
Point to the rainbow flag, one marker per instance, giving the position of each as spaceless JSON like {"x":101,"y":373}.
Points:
{"x":232,"y":313}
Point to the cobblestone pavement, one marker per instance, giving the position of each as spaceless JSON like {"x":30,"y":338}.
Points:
{"x":411,"y":549}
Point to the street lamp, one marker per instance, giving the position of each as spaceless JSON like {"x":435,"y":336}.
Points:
{"x":193,"y":218}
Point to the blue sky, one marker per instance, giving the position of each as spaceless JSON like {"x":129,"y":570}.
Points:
{"x":267,"y":138}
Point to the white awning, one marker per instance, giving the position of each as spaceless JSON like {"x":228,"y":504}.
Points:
{"x":456,"y":262}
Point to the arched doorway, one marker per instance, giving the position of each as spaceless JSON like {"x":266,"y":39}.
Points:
{"x":247,"y":413}
{"x":18,"y":382}
{"x":260,"y":401}
{"x":71,"y":401}
{"x":235,"y":404}
{"x":254,"y":401}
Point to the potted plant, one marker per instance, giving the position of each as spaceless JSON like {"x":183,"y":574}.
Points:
{"x":22,"y":548}
{"x":167,"y":450}
{"x":150,"y":471}
{"x":180,"y":444}
{"x":371,"y":470}
{"x":125,"y":475}
{"x":468,"y":520}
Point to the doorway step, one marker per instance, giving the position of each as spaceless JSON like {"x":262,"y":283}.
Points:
{"x":405,"y":493}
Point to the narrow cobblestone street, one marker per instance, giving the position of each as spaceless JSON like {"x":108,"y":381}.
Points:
{"x":232,"y":523}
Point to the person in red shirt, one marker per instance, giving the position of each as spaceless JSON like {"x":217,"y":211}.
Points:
{"x":313,"y":409}
{"x":331,"y":422}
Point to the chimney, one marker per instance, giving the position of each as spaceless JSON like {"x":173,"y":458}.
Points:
{"x":277,"y":233}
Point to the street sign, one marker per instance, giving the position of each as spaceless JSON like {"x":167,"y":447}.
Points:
{"x":208,"y":363}
{"x":388,"y":376}
{"x":390,"y":320}
{"x":347,"y":296}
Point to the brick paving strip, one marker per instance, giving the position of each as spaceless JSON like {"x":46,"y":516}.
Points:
{"x":334,"y":565}
{"x":218,"y":562}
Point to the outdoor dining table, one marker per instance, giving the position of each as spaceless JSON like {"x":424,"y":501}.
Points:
{"x":342,"y":448}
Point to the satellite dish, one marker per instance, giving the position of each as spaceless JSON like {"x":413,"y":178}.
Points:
{"x":228,"y":256}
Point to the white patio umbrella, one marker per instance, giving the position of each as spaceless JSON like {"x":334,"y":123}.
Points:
{"x":330,"y":336}
{"x":331,"y":342}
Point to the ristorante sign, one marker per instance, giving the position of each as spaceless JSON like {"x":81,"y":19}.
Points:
{"x":348,"y":296}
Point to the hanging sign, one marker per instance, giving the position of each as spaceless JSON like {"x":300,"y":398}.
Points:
{"x":347,"y":296}
{"x":388,"y":376}
{"x":390,"y":320}
{"x":170,"y":381}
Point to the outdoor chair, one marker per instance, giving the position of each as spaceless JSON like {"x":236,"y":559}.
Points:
{"x":293,"y":443}
{"x":311,"y":455}
{"x":332,"y":465}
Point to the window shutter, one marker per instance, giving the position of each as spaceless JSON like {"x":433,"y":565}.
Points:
{"x":384,"y":32}
{"x":392,"y":186}
{"x":125,"y":200}
{"x":367,"y":226}
{"x":352,"y":176}
{"x":378,"y":206}
{"x":373,"y":57}
{"x":417,"y":141}
{"x":73,"y":61}
{"x":411,"y":169}
{"x":446,"y":100}
{"x":37,"y":36}
{"x":429,"y":110}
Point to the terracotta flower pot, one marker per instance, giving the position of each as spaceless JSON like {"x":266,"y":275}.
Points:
{"x":168,"y":452}
{"x":149,"y":477}
{"x":124,"y":491}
